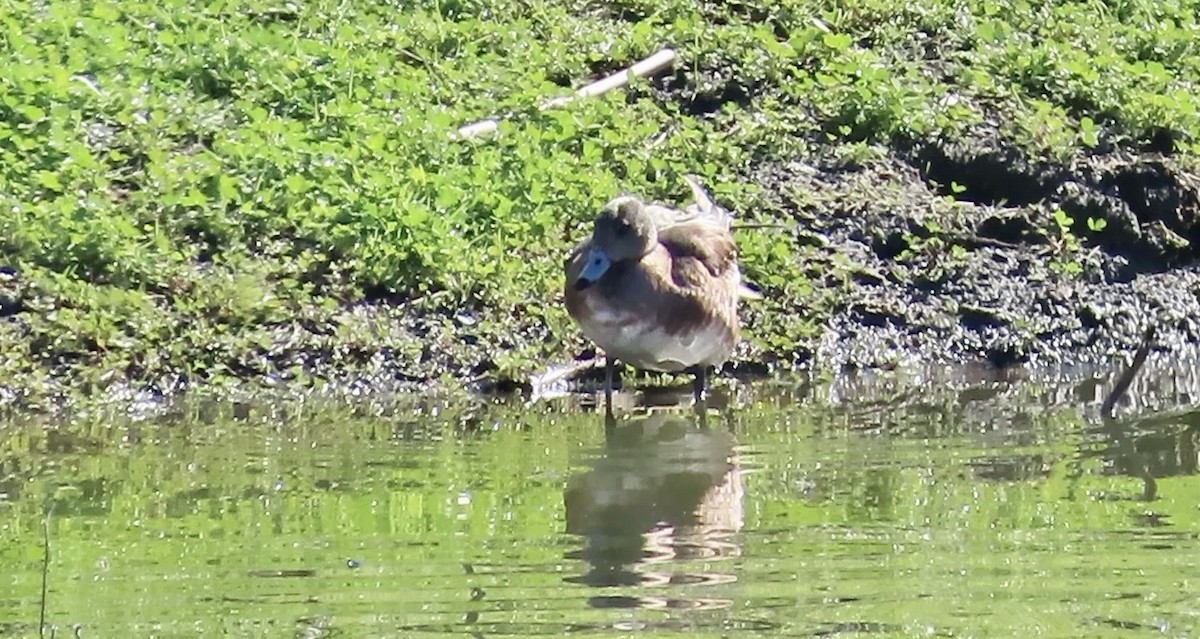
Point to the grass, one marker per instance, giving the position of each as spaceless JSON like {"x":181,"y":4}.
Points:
{"x":205,"y":194}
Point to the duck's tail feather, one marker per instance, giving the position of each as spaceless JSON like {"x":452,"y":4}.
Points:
{"x":749,"y":291}
{"x":704,"y":205}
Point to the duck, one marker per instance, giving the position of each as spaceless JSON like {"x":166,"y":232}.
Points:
{"x":658,"y":288}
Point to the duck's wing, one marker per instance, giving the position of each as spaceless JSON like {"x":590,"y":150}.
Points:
{"x":664,"y":216}
{"x":703,"y":210}
{"x":706,"y":210}
{"x":700,"y":253}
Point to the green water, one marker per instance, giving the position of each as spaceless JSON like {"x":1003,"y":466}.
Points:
{"x":990,"y":509}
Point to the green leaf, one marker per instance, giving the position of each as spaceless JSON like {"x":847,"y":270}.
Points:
{"x":32,"y":113}
{"x":49,"y":179}
{"x":227,"y":188}
{"x":297,"y":184}
{"x":838,"y":41}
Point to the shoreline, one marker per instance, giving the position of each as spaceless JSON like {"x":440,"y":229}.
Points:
{"x":918,"y":187}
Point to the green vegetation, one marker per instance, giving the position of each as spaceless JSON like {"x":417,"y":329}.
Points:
{"x":269,"y":191}
{"x":1065,"y":245}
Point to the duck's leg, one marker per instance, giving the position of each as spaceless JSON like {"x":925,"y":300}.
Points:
{"x":699,"y":396}
{"x":699,"y":382}
{"x":609,"y":419}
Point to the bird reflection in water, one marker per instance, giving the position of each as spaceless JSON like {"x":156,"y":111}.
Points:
{"x":665,"y":491}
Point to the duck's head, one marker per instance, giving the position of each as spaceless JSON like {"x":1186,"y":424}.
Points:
{"x":624,"y":231}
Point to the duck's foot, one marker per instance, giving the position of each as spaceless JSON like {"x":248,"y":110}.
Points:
{"x":700,"y":393}
{"x":610,"y":370}
{"x":610,"y":421}
{"x":699,"y":382}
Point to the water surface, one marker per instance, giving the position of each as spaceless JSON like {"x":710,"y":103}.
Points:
{"x":875,"y":508}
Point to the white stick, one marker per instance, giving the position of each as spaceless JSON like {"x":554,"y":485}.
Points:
{"x":646,"y":67}
{"x":489,"y":125}
{"x":649,"y":66}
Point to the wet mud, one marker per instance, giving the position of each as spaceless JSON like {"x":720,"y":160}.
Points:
{"x":971,"y":253}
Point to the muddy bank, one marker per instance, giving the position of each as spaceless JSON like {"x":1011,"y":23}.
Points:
{"x":963,"y":254}
{"x":931,"y":255}
{"x":969,"y":252}
{"x":950,"y":184}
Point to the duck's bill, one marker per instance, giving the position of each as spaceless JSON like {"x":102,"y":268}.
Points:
{"x":593,"y":269}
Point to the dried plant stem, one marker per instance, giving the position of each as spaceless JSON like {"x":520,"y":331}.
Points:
{"x":641,"y":69}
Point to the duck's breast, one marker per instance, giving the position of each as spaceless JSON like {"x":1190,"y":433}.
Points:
{"x":664,"y":337}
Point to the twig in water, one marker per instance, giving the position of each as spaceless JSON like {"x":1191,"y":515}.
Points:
{"x":548,"y":384}
{"x":1126,"y":378}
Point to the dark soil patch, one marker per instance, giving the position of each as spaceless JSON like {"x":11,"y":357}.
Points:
{"x":988,"y":176}
{"x":996,"y":280}
{"x":702,"y":92}
{"x":1150,"y":205}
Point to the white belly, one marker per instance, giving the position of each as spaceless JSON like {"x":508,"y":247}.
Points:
{"x":645,"y":345}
